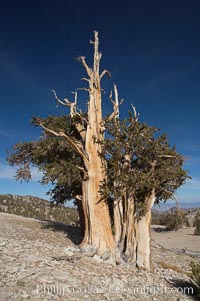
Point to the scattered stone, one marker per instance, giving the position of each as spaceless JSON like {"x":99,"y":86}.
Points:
{"x":68,"y":251}
{"x":105,"y":255}
{"x":2,"y":244}
{"x":25,"y":296}
{"x":37,"y":264}
{"x":97,"y":258}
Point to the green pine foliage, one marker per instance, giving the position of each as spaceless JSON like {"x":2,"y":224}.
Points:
{"x":53,"y":156}
{"x":152,"y":162}
{"x":139,"y":160}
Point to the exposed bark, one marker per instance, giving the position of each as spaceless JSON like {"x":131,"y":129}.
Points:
{"x":81,"y":214}
{"x":124,"y":220}
{"x":84,"y":209}
{"x":132,"y":233}
{"x":143,"y":236}
{"x":118,"y":222}
{"x":129,"y":241}
{"x":99,"y":234}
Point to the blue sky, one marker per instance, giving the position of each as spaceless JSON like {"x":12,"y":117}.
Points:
{"x":152,"y":49}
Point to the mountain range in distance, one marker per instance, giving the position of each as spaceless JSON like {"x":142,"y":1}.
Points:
{"x":184,"y":205}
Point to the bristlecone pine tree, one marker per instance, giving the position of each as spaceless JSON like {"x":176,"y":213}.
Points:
{"x":115,"y":170}
{"x":143,"y":170}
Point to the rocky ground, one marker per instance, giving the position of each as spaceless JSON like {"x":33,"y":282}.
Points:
{"x":40,"y":261}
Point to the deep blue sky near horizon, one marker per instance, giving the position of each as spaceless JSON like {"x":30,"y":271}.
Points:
{"x":152,"y":49}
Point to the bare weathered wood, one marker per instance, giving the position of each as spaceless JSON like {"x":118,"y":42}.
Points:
{"x":67,"y":103}
{"x":143,"y":234}
{"x":98,"y":234}
{"x":136,"y":115}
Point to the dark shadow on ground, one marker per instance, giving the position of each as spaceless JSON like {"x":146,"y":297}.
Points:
{"x":159,"y":229}
{"x":192,"y":234}
{"x":73,"y":232}
{"x":187,"y":288}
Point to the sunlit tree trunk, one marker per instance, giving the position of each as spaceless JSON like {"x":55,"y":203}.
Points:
{"x":98,"y":236}
{"x":132,"y":232}
{"x":129,"y":252}
{"x":125,"y":220}
{"x":99,"y":233}
{"x":143,"y":236}
{"x":124,"y":229}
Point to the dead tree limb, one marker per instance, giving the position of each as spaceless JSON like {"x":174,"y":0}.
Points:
{"x":115,"y":103}
{"x":76,"y":144}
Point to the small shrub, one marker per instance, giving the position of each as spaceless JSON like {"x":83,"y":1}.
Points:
{"x":168,"y":266}
{"x":197,"y":224}
{"x":175,"y":220}
{"x":187,"y":223}
{"x":196,"y":273}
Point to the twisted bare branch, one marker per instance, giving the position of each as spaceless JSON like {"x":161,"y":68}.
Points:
{"x":87,"y":68}
{"x":166,"y":156}
{"x":136,"y":115}
{"x":67,"y":103}
{"x":73,"y":111}
{"x":83,"y":89}
{"x":58,"y":99}
{"x":86,"y":79}
{"x":115,"y":103}
{"x":104,"y":73}
{"x":76,"y":144}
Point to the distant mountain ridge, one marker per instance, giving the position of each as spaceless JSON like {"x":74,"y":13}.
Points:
{"x":35,"y":207}
{"x":167,"y":206}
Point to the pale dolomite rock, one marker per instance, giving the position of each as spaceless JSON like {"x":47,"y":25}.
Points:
{"x":38,"y":264}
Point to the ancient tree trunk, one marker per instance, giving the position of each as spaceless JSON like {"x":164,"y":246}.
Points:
{"x":80,"y":200}
{"x":132,"y":233}
{"x":143,"y":236}
{"x":81,"y":215}
{"x":129,"y":254}
{"x":98,"y":234}
{"x":124,"y":222}
{"x":118,"y":222}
